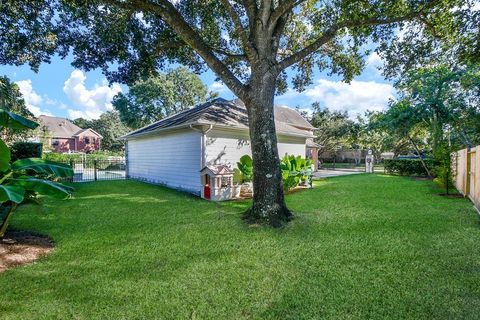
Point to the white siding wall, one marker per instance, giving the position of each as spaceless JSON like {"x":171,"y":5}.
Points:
{"x":172,"y":159}
{"x":227,"y":146}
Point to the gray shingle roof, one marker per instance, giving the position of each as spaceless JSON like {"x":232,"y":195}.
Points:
{"x":291,"y":117}
{"x":219,"y":112}
{"x":59,"y":127}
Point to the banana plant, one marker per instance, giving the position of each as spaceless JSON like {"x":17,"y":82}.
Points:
{"x":245,"y":165}
{"x":295,"y":170}
{"x":21,"y":179}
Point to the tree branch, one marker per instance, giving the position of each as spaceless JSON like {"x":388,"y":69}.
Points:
{"x":251,"y":9}
{"x":249,"y":49}
{"x":281,"y":10}
{"x":330,"y":33}
{"x":162,"y":47}
{"x":229,"y":54}
{"x":168,"y":12}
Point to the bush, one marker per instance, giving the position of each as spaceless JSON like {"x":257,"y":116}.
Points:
{"x":22,"y":150}
{"x":295,"y":170}
{"x":62,"y":157}
{"x":408,"y":167}
{"x":97,"y":155}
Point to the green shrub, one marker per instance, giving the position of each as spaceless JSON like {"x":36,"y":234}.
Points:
{"x":408,"y":167}
{"x":23,"y":150}
{"x":61,"y":157}
{"x":67,"y":157}
{"x":295,"y":170}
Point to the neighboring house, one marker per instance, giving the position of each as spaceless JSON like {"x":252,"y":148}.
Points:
{"x":61,"y":136}
{"x":174,"y":150}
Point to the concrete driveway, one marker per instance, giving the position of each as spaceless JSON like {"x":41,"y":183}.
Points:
{"x":322,"y":173}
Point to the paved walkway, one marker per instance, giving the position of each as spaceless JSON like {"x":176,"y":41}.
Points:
{"x":322,"y":173}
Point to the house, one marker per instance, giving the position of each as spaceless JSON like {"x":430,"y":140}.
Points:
{"x":62,"y":136}
{"x":174,"y":150}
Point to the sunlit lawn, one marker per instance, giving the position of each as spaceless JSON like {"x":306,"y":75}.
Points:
{"x":362,"y":246}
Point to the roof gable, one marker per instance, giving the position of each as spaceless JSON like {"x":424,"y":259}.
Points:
{"x":90,"y":130}
{"x":217,"y":170}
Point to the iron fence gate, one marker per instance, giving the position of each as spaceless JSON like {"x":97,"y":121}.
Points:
{"x":94,"y":170}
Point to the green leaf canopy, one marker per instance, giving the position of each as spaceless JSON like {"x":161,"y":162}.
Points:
{"x":43,"y":166}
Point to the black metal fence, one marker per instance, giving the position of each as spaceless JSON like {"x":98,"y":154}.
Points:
{"x":332,"y":164}
{"x":95,"y":170}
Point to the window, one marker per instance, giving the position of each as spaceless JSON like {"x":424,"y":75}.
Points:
{"x":86,"y":140}
{"x":55,"y":143}
{"x":226,"y":182}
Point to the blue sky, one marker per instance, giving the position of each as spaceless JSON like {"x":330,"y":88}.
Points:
{"x":61,"y":90}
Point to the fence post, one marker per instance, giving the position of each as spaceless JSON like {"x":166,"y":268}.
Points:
{"x":95,"y":169}
{"x":467,"y":177}
{"x":73,"y":168}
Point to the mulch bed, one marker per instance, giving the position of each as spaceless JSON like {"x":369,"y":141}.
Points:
{"x":22,"y":247}
{"x":454,"y":195}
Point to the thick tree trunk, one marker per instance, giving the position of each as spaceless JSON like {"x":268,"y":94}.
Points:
{"x":268,"y":197}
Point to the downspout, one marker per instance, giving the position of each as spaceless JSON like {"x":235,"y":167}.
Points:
{"x":202,"y":143}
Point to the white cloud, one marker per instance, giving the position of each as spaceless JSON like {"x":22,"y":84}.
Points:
{"x":374,"y":63}
{"x":92,"y":102}
{"x":354,"y":98}
{"x":374,"y":60}
{"x":32,"y":99}
{"x":218,"y":87}
{"x":74,"y":114}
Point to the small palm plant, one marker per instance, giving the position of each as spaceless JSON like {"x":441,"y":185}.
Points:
{"x":25,"y":178}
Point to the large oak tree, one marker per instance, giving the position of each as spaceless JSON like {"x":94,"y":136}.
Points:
{"x":248,"y":44}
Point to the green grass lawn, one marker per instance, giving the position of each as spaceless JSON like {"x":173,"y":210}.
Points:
{"x":362,"y":246}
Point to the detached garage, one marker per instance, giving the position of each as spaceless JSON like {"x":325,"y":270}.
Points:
{"x":174,"y":150}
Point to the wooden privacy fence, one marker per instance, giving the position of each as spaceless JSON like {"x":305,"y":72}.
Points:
{"x":466,"y":173}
